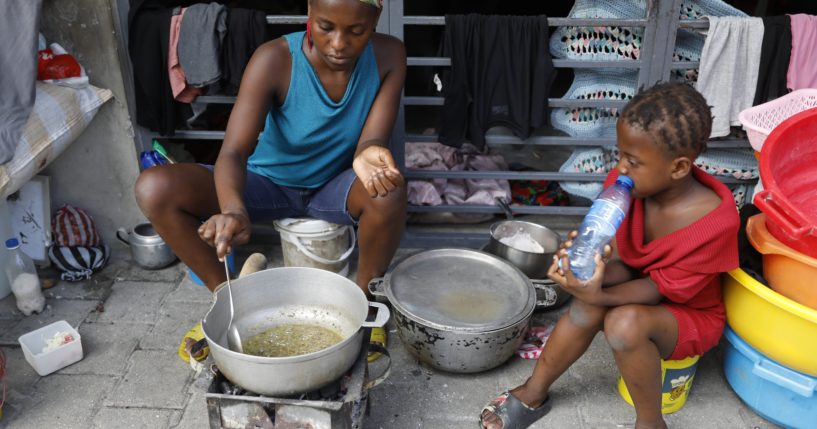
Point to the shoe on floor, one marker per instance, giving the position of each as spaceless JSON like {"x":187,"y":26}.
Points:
{"x":378,"y":337}
{"x":194,"y":344}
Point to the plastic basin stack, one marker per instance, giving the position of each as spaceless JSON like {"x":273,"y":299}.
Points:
{"x":770,"y":354}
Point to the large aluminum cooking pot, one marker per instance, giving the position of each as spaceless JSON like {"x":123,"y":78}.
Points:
{"x":284,"y":296}
{"x":458,"y":310}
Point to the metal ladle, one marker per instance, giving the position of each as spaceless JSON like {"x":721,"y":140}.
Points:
{"x":233,"y":338}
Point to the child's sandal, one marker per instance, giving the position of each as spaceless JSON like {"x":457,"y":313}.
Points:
{"x":513,"y":413}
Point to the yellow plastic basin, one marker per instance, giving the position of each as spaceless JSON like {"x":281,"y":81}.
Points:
{"x":771,"y":323}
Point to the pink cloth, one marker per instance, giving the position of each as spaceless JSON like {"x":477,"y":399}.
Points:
{"x":182,"y":92}
{"x":534,"y":342}
{"x":428,"y":156}
{"x":803,"y":61}
{"x":436,"y":156}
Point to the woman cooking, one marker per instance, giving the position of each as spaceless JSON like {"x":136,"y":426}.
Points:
{"x":324,"y":102}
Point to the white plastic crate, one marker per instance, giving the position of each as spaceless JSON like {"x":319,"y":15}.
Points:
{"x":34,"y":342}
{"x":760,"y":120}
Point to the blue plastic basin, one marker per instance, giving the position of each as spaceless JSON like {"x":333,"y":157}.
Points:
{"x":779,"y":394}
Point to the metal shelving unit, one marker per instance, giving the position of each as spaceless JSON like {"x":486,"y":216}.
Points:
{"x":660,"y":26}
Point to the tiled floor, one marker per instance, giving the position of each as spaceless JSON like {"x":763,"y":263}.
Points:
{"x":131,"y":321}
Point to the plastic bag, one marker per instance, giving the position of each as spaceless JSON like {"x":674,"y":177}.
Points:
{"x":56,"y":66}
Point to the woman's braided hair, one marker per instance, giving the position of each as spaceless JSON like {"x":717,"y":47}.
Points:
{"x":674,"y":114}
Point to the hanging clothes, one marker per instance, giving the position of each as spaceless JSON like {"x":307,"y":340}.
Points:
{"x":200,"y":41}
{"x":729,"y":68}
{"x":774,"y":59}
{"x":178,"y":81}
{"x":148,"y":42}
{"x":501,"y":73}
{"x":803,"y":63}
{"x":246,"y":31}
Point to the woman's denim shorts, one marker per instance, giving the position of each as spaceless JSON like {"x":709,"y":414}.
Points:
{"x":266,"y":201}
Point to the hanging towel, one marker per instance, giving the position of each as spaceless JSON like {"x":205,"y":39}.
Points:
{"x":501,"y":73}
{"x":774,"y":59}
{"x":246,"y":31}
{"x":148,"y":42}
{"x":803,"y":63}
{"x":178,"y":81}
{"x":729,"y":68}
{"x":200,"y":41}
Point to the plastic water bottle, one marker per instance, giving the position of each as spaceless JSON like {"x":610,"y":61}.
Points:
{"x":599,"y":227}
{"x":23,"y":278}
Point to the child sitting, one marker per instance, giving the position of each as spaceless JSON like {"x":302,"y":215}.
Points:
{"x":659,"y":295}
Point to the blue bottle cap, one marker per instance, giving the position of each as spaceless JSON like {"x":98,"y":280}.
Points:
{"x":626,"y":181}
{"x":12,"y":243}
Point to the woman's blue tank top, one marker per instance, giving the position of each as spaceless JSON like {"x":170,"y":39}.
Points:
{"x":310,"y":139}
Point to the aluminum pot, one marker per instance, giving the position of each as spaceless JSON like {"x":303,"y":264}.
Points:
{"x":458,"y":310}
{"x":283,"y":296}
{"x":534,"y":265}
{"x":148,"y":249}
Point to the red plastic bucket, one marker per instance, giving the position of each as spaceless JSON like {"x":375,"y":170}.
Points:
{"x":788,"y":167}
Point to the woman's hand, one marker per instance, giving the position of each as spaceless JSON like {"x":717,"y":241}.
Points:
{"x":224,"y":230}
{"x":375,"y":168}
{"x":590,"y":290}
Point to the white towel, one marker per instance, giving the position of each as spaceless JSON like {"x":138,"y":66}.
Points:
{"x":729,"y":67}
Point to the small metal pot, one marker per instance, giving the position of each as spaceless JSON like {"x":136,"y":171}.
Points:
{"x":148,"y":249}
{"x":458,"y":310}
{"x":534,"y":265}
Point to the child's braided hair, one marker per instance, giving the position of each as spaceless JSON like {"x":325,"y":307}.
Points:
{"x":674,"y":114}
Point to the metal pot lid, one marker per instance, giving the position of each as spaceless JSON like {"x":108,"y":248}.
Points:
{"x":460,"y":289}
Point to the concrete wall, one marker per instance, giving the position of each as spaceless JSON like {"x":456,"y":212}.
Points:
{"x":97,"y":171}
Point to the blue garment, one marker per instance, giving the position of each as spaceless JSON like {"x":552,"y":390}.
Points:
{"x":310,"y":139}
{"x":266,"y":201}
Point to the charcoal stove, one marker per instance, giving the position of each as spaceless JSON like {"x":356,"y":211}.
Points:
{"x":340,"y":405}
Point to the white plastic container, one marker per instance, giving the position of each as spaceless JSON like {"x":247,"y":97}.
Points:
{"x":316,"y":243}
{"x":34,"y":342}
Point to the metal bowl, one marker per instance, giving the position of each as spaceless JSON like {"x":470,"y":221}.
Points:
{"x":534,"y":265}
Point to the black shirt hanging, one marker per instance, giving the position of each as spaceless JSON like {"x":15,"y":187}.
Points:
{"x":148,"y":38}
{"x":501,"y":73}
{"x":246,"y":31}
{"x":775,"y":53}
